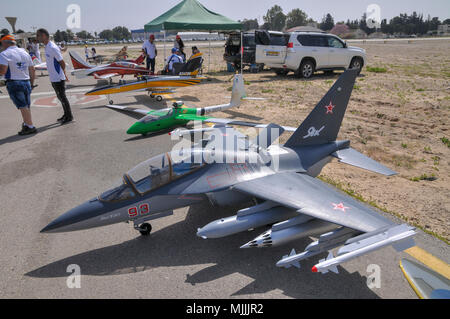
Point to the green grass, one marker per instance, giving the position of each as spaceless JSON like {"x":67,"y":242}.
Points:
{"x":446,"y":141}
{"x":404,"y":145}
{"x":359,"y":197}
{"x":424,"y":177}
{"x":267,"y":91}
{"x":376,"y":69}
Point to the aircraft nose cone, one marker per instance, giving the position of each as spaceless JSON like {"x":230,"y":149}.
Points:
{"x":137,"y":128}
{"x":75,"y":219}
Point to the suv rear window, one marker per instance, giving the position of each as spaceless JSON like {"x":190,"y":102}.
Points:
{"x":279,"y":39}
{"x":309,"y":40}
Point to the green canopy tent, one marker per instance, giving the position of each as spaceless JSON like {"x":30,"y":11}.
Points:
{"x":191,"y":15}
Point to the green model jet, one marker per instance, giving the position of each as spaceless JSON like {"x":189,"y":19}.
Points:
{"x":179,"y":115}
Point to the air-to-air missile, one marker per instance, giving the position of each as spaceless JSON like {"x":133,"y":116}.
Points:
{"x":295,"y":228}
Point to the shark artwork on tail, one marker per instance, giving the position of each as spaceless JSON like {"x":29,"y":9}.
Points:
{"x":228,"y":168}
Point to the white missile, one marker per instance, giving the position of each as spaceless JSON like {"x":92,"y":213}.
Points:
{"x":295,"y":228}
{"x":248,"y":218}
{"x":326,"y":242}
{"x":399,"y":236}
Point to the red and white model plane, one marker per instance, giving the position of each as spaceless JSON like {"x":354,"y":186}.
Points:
{"x":101,"y":72}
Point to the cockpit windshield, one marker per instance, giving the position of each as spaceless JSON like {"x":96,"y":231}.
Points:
{"x":152,"y":118}
{"x":118,"y":194}
{"x":158,"y":171}
{"x":150,"y":174}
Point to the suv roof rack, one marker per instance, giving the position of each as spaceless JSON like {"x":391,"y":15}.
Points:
{"x":310,"y":31}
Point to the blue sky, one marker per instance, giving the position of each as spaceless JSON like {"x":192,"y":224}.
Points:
{"x":97,"y":15}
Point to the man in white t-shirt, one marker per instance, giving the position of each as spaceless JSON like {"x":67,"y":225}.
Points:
{"x":18,"y":69}
{"x":56,"y":68}
{"x":36,"y":50}
{"x":149,"y":49}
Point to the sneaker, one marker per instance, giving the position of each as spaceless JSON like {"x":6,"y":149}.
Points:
{"x":61,"y":118}
{"x":27,"y":131}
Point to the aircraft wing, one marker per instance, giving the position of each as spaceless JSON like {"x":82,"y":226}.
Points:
{"x":132,"y":112}
{"x":105,"y":76}
{"x":315,"y":198}
{"x":214,"y":120}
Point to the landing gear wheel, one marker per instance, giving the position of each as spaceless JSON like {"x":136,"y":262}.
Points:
{"x":159,"y":98}
{"x":111,"y":102}
{"x":151,"y":95}
{"x":145,"y":229}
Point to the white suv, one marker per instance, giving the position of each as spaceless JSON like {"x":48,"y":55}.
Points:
{"x":306,"y":52}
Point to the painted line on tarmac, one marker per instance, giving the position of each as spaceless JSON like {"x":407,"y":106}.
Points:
{"x":430,"y":261}
{"x":52,"y":92}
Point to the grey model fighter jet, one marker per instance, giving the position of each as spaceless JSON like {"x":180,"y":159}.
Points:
{"x":281,"y":178}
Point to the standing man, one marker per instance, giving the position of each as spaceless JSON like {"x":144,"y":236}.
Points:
{"x":36,"y":50}
{"x":17,"y":67}
{"x":179,"y":44}
{"x":86,"y":52}
{"x":149,"y":49}
{"x":57,"y":73}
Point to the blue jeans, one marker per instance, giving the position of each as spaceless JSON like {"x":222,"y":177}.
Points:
{"x":20,"y":93}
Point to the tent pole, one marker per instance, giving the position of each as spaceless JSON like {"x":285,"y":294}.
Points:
{"x":209,"y":58}
{"x":164,"y":49}
{"x":242,"y":52}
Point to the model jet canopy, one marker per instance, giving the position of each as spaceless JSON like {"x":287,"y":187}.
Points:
{"x":159,"y":171}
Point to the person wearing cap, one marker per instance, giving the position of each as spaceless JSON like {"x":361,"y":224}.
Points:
{"x":86,"y":52}
{"x":17,"y":67}
{"x":56,"y":68}
{"x":174,"y":58}
{"x":179,"y":44}
{"x":149,"y":49}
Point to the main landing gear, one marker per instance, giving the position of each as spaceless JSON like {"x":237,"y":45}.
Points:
{"x":158,"y":98}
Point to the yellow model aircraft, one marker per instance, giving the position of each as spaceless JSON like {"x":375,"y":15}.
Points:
{"x":157,"y":85}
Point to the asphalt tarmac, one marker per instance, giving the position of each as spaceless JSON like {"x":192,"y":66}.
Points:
{"x":43,"y":176}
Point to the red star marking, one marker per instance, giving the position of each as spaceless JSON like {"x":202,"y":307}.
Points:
{"x":330,"y":108}
{"x":340,"y":207}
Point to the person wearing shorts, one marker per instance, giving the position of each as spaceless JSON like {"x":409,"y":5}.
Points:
{"x":18,"y":69}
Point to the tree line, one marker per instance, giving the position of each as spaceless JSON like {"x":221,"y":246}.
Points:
{"x":118,"y":33}
{"x":275,"y":19}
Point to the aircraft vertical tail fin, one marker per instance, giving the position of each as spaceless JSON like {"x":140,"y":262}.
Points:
{"x":323,"y":123}
{"x":238,"y":91}
{"x":237,"y":95}
{"x":140,"y":59}
{"x":78,"y":62}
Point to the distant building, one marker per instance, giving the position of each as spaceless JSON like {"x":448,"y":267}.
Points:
{"x":141,"y":35}
{"x":200,"y":36}
{"x":443,"y":29}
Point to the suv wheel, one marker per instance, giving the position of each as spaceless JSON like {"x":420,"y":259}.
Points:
{"x":306,"y":69}
{"x":357,"y":63}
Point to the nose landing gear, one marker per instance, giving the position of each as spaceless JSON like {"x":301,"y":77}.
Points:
{"x":145,"y":229}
